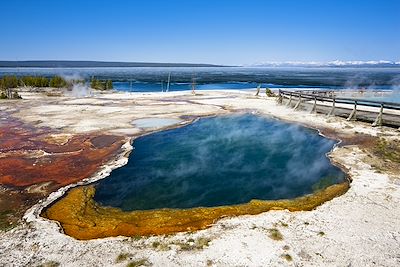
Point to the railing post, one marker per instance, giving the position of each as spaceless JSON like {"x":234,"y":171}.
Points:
{"x":379,"y":119}
{"x":298,"y":103}
{"x":332,"y":111}
{"x":258,"y":90}
{"x":314,"y":108}
{"x":353,"y":114}
{"x":279,"y":97}
{"x":290,"y":100}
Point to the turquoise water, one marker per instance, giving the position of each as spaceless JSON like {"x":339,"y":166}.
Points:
{"x":155,"y":122}
{"x":392,"y":96}
{"x":220,"y":161}
{"x":374,"y":95}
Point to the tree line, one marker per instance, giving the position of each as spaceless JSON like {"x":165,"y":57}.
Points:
{"x":10,"y":82}
{"x":7,"y":82}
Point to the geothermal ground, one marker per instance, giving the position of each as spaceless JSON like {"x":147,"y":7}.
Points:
{"x":41,"y":134}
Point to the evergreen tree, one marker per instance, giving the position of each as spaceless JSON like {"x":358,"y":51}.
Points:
{"x":109,"y":85}
{"x":94,"y":83}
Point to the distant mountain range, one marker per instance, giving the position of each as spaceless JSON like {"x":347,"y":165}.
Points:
{"x":335,"y":63}
{"x":92,"y":64}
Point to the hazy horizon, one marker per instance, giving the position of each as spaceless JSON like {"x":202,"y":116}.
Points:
{"x":52,"y":63}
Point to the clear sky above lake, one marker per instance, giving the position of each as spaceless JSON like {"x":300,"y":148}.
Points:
{"x":200,"y":31}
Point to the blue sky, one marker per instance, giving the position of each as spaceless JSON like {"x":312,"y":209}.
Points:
{"x":206,"y":31}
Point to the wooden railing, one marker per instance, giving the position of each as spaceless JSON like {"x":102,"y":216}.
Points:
{"x":301,"y":96}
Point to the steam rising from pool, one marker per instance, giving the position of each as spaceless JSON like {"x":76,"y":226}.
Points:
{"x":221,"y":161}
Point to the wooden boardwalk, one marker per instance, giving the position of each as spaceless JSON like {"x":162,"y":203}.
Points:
{"x":375,"y":112}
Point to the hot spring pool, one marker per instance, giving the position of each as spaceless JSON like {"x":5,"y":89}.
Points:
{"x":220,"y":161}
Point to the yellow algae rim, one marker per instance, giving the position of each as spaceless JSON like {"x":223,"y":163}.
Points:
{"x":83,"y":218}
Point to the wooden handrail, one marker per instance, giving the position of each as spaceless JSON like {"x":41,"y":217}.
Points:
{"x":314,"y":97}
{"x":342,"y":100}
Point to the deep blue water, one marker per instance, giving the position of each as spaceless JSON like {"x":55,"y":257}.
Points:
{"x":220,"y":161}
{"x":295,"y":76}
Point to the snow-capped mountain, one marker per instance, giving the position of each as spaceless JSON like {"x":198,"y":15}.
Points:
{"x":335,"y":63}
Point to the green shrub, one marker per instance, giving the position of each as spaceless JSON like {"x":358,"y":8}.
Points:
{"x":34,"y":81}
{"x":9,"y":82}
{"x":58,"y":82}
{"x":269,"y":93}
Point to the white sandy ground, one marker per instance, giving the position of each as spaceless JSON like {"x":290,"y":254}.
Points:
{"x":360,"y":228}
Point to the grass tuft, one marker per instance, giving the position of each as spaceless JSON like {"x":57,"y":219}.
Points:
{"x":50,"y":264}
{"x":287,"y":257}
{"x":191,"y":244}
{"x":140,"y":262}
{"x":136,"y":237}
{"x":123,"y":257}
{"x":202,"y":242}
{"x":284,"y":224}
{"x":275,"y":234}
{"x":388,"y":150}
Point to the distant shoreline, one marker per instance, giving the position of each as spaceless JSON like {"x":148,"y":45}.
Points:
{"x":94,"y":64}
